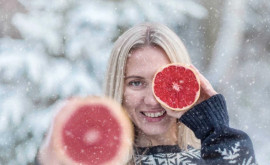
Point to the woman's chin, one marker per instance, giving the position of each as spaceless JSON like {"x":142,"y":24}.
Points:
{"x":156,"y":128}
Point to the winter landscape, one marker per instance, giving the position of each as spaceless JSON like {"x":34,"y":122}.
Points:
{"x":50,"y":51}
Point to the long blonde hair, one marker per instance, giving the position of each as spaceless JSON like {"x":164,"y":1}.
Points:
{"x":136,"y":37}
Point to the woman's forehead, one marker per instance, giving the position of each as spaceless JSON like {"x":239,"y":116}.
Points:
{"x":146,"y":59}
{"x":147,"y":53}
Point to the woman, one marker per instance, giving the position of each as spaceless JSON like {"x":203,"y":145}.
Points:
{"x":167,"y":137}
{"x":200,"y":135}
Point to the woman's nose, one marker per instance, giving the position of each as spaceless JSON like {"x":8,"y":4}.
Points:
{"x":149,"y":98}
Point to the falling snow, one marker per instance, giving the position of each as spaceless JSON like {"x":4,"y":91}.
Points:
{"x":59,"y":49}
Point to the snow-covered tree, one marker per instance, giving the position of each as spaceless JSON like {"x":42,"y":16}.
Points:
{"x":62,"y":52}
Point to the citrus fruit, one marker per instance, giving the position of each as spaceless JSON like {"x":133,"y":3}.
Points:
{"x":176,"y":86}
{"x":92,"y":131}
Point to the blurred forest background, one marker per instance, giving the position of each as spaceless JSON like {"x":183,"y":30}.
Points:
{"x":50,"y":50}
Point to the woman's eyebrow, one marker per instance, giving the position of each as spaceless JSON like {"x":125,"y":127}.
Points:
{"x":133,"y":76}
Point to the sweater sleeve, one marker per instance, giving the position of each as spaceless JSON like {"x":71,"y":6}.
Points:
{"x":220,"y":144}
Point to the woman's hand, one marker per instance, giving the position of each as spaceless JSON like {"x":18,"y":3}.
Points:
{"x":206,"y":92}
{"x":46,"y":154}
{"x":50,"y":152}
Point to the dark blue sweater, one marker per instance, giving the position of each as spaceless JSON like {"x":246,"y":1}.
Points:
{"x":220,"y":144}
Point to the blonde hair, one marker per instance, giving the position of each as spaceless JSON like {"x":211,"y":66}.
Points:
{"x":144,"y":35}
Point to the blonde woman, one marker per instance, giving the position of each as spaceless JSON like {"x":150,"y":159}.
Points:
{"x":200,"y":135}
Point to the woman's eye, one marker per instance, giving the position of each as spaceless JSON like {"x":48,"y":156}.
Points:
{"x":135,"y":83}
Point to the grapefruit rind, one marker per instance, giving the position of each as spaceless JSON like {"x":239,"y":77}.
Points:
{"x":70,"y":106}
{"x":164,"y":104}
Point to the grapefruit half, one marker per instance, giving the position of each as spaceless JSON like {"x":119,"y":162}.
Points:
{"x":92,"y":131}
{"x":176,"y":86}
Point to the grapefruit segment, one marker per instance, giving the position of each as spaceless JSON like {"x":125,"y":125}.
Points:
{"x":176,"y":87}
{"x":92,"y":131}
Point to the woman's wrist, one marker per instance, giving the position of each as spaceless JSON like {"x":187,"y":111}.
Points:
{"x":207,"y":116}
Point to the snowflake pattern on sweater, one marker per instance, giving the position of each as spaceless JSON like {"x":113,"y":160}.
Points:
{"x":166,"y":157}
{"x":232,"y":155}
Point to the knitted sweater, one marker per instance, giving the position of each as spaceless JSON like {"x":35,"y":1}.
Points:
{"x":220,"y":144}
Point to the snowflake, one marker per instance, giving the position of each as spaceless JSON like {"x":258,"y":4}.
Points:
{"x":232,"y":154}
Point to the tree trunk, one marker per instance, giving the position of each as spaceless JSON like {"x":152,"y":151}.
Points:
{"x":228,"y":43}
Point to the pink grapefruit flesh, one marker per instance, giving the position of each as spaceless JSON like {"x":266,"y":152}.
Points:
{"x":176,"y":87}
{"x":90,"y":133}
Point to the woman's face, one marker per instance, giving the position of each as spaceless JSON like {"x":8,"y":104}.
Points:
{"x":139,"y":101}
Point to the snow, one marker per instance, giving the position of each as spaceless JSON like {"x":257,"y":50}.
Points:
{"x":65,"y":44}
{"x":38,"y":26}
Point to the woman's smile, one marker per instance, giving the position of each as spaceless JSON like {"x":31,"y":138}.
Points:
{"x":154,"y":116}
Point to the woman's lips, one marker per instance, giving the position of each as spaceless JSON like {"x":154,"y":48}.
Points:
{"x":153,"y":116}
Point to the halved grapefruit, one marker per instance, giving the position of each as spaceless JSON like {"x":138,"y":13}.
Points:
{"x":92,"y":131}
{"x":176,"y":86}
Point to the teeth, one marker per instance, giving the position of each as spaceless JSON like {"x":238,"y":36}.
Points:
{"x":156,"y":114}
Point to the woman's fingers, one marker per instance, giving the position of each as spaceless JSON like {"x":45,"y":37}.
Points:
{"x":206,"y":88}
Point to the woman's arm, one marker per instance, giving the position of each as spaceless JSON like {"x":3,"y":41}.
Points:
{"x":220,"y":143}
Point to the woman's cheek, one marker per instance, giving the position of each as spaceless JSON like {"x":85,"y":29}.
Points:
{"x":131,"y":98}
{"x":131,"y":102}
